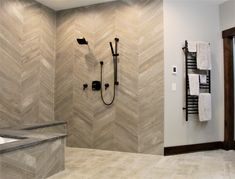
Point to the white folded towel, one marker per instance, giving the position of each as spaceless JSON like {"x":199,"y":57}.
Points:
{"x":203,"y":56}
{"x":203,"y":79}
{"x":193,"y":84}
{"x":204,"y":105}
{"x":192,"y":46}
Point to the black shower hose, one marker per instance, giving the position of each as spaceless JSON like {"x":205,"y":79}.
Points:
{"x":101,"y":91}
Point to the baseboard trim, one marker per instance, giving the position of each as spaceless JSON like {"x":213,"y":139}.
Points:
{"x":193,"y":148}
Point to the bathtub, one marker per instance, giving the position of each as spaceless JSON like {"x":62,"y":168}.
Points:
{"x":4,"y":140}
{"x":30,"y":154}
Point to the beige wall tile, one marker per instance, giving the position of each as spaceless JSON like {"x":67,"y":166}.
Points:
{"x":134,"y":123}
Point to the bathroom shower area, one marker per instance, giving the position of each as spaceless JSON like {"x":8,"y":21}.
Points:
{"x":89,"y":87}
{"x":134,"y":121}
{"x":98,"y":70}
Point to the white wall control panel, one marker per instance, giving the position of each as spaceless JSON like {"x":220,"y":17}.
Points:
{"x":174,"y":70}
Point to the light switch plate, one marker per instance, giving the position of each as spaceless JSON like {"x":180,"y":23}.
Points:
{"x":173,"y":86}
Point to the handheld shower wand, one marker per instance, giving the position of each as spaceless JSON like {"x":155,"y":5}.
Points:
{"x":115,"y":55}
{"x":115,"y":60}
{"x":111,"y":46}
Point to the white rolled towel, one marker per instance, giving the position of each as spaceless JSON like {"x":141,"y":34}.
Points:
{"x":192,"y":46}
{"x":204,"y":105}
{"x":203,"y":79}
{"x":2,"y":141}
{"x":194,"y":84}
{"x":203,"y":56}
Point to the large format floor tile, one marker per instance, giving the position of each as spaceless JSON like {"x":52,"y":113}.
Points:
{"x":99,"y":164}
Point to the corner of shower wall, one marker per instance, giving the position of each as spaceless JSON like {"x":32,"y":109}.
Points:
{"x":27,"y":62}
{"x":38,"y":63}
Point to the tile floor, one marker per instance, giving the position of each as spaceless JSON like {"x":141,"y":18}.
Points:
{"x":98,"y":164}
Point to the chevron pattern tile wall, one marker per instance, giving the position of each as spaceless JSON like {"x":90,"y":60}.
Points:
{"x":40,"y":161}
{"x":134,"y":123}
{"x":31,"y":79}
{"x":27,"y":62}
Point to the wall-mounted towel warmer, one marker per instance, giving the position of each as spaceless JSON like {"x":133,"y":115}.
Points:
{"x":191,"y":102}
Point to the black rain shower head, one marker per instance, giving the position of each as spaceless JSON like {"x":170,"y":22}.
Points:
{"x":82,"y":41}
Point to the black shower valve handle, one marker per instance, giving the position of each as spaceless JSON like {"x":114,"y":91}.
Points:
{"x":106,"y":86}
{"x":85,"y":86}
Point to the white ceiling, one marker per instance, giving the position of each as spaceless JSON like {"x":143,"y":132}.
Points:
{"x":201,"y":1}
{"x":67,"y":4}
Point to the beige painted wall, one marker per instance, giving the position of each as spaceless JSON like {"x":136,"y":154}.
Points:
{"x":227,"y":15}
{"x":191,"y":21}
{"x":27,"y":55}
{"x":135,"y":122}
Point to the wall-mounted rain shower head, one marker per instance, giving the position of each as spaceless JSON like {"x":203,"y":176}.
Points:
{"x":82,"y":41}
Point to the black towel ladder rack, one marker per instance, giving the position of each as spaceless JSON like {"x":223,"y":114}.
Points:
{"x":191,"y":102}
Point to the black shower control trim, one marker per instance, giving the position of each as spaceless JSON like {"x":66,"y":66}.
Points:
{"x":96,"y":85}
{"x":85,"y":86}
